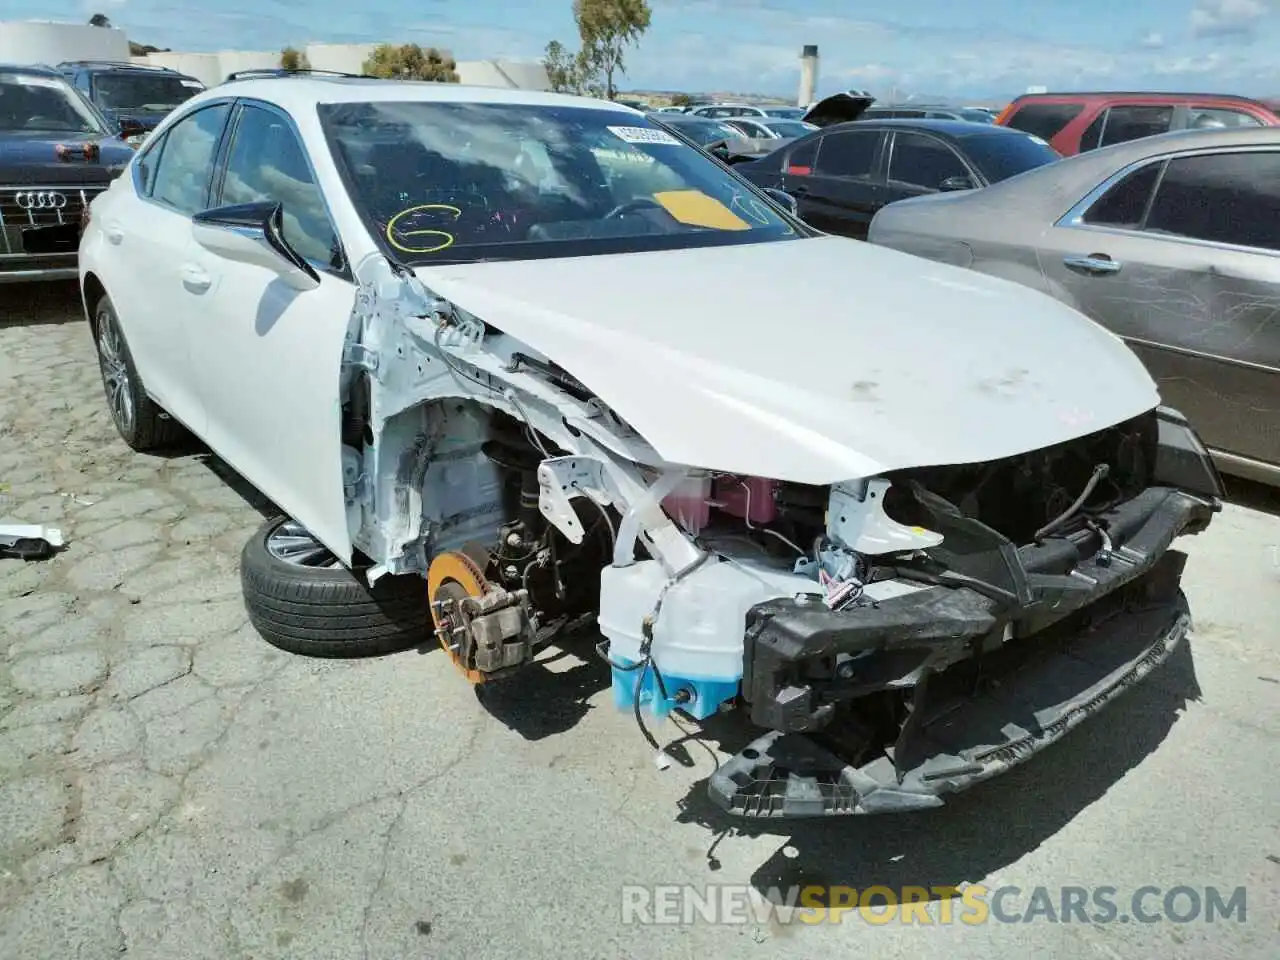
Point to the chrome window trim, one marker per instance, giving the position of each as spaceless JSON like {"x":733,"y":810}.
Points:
{"x":1073,"y":219}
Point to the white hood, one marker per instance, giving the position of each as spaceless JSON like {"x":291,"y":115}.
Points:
{"x":814,"y":360}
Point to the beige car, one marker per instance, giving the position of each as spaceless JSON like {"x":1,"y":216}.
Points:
{"x":1171,"y":242}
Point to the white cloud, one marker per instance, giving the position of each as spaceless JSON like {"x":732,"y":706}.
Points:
{"x":1190,"y":66}
{"x":1217,"y":18}
{"x":1151,"y":41}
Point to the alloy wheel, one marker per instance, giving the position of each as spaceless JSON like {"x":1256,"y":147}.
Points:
{"x":115,"y":372}
{"x":291,"y":543}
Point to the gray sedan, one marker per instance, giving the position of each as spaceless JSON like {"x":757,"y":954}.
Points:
{"x":1171,"y":242}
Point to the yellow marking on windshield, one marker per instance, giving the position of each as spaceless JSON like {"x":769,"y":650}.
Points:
{"x":446,"y":238}
{"x":700,"y":210}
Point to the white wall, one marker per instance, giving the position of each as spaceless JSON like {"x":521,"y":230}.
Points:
{"x":512,"y":74}
{"x":205,"y":67}
{"x":229,"y":61}
{"x":342,"y":57}
{"x":35,"y":41}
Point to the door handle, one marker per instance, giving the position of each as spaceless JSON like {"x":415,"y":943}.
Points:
{"x":114,"y":232}
{"x":195,"y":279}
{"x":1092,"y":263}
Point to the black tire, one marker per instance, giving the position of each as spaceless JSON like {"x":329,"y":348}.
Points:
{"x":329,"y":611}
{"x":148,"y":427}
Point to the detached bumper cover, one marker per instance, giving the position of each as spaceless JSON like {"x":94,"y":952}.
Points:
{"x":1040,"y":602}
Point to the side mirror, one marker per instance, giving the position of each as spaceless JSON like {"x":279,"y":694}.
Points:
{"x":956,"y":183}
{"x":719,"y":148}
{"x":784,"y":200}
{"x":254,"y":233}
{"x":130,"y":127}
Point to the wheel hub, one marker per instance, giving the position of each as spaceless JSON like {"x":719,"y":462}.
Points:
{"x":484,"y":629}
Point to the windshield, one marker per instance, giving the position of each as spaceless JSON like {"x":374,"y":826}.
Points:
{"x":786,"y":113}
{"x":789,"y":128}
{"x":977,"y":116}
{"x":463,"y":182}
{"x":143,"y":91}
{"x":1000,"y":156}
{"x":43,"y":104}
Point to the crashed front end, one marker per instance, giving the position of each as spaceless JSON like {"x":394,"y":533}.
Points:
{"x":999,"y":646}
{"x":898,"y":637}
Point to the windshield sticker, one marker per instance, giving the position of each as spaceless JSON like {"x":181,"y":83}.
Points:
{"x":697,"y":209}
{"x":408,"y":230}
{"x":642,"y":135}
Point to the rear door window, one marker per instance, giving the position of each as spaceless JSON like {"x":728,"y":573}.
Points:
{"x":1125,"y":204}
{"x":1222,"y":198}
{"x":1045,"y":120}
{"x":1212,"y":118}
{"x":800,"y":161}
{"x":921,"y":161}
{"x":1125,"y":123}
{"x":850,"y":154}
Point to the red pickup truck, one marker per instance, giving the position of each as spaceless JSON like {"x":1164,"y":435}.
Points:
{"x":1075,"y":122}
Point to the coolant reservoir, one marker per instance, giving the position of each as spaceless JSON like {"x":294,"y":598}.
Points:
{"x":697,"y":638}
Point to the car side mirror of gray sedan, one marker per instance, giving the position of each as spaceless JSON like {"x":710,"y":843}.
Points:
{"x":956,"y":183}
{"x":254,"y":233}
{"x":784,"y":200}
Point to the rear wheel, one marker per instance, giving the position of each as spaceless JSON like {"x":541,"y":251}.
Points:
{"x":141,"y":422}
{"x":301,"y":598}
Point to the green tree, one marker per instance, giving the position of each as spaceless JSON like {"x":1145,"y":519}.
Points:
{"x":411,"y":62}
{"x":607,"y":28}
{"x":562,"y":68}
{"x":681,"y":100}
{"x":99,"y":20}
{"x":291,"y":58}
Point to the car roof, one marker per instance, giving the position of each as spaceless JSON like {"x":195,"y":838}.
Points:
{"x":953,"y":129}
{"x":1055,"y":187}
{"x":1158,"y":95}
{"x":300,"y":92}
{"x":32,"y":69}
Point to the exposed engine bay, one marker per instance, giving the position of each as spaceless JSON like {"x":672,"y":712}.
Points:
{"x":836,"y":614}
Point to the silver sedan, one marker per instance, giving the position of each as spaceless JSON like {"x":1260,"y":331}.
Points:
{"x":1171,"y":242}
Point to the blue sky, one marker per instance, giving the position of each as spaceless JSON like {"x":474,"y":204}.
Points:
{"x":993,"y":48}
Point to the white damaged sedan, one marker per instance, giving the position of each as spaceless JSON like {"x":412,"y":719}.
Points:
{"x":511,"y":364}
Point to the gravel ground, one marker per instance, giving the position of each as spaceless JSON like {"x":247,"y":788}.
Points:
{"x":172,"y":787}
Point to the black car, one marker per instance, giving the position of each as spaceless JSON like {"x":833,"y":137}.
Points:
{"x":56,"y":154}
{"x":843,"y":173}
{"x":132,"y":96}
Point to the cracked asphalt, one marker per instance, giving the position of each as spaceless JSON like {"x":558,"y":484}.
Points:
{"x":173,"y":787}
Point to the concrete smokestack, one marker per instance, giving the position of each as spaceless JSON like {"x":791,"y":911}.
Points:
{"x":808,"y":75}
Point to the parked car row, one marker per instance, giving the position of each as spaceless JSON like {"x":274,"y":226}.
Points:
{"x":66,"y":132}
{"x":844,"y":168}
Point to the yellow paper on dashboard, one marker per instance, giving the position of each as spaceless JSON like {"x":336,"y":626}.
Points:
{"x":699,"y":210}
